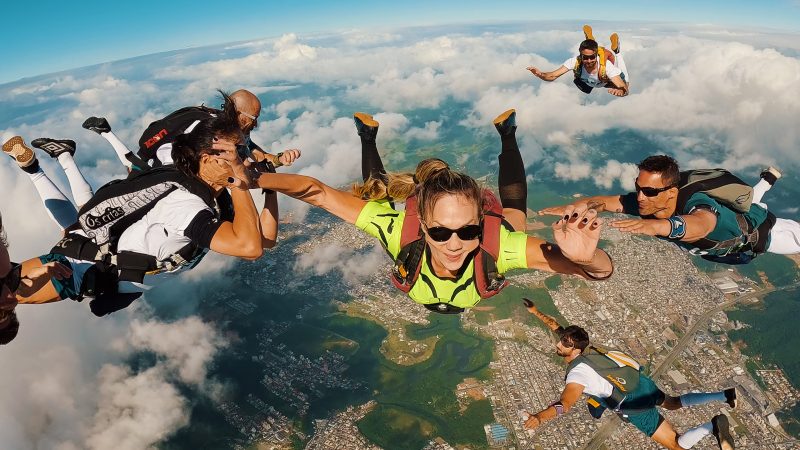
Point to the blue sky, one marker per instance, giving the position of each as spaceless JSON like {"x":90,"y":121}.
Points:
{"x":48,"y":36}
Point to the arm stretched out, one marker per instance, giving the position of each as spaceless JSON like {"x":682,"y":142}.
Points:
{"x":599,"y":203}
{"x":312,"y":191}
{"x":698,"y":225}
{"x":569,"y":396}
{"x":548,"y":321}
{"x":548,"y":76}
{"x":620,"y":87}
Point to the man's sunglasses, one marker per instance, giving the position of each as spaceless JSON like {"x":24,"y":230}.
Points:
{"x":651,"y":191}
{"x":465,"y":233}
{"x":249,"y":116}
{"x":589,"y":57}
{"x":12,"y":278}
{"x":566,"y":342}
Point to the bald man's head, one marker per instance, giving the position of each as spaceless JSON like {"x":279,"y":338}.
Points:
{"x":249,"y":108}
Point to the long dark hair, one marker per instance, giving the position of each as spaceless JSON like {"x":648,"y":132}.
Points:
{"x":189,"y":147}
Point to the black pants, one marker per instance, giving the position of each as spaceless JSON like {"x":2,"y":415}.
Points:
{"x":511,"y":179}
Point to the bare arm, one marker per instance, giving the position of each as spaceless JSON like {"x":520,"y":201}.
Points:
{"x":620,"y":88}
{"x":268,"y":220}
{"x":548,"y":76}
{"x":242,"y":237}
{"x":569,"y":396}
{"x":600,"y":203}
{"x":699,"y":224}
{"x":40,"y":289}
{"x":549,"y":321}
{"x":312,"y":191}
{"x":37,"y":277}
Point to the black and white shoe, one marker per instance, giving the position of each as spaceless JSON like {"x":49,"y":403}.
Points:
{"x":722,"y":431}
{"x":97,"y":124}
{"x":771,"y":175}
{"x":730,"y":397}
{"x":54,"y":147}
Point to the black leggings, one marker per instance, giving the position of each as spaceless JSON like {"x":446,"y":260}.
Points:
{"x":511,"y":179}
{"x":371,"y":164}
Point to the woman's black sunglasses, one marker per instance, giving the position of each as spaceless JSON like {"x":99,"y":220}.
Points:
{"x":465,"y":233}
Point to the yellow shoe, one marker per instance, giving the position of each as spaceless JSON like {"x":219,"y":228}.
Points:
{"x":615,"y":43}
{"x":366,"y":125}
{"x":506,"y":123}
{"x":16,"y":148}
{"x":587,"y":31}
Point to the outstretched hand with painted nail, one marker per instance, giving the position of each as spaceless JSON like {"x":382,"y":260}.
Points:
{"x":577,"y":233}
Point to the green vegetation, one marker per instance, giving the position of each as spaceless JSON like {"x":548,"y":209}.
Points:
{"x":768,"y":336}
{"x":508,"y":304}
{"x":417,"y":403}
{"x":790,"y":420}
{"x":553,"y":283}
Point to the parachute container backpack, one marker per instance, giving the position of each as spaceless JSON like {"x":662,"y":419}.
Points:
{"x":166,"y":129}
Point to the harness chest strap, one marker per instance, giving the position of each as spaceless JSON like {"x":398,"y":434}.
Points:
{"x":752,"y":239}
{"x":603,"y":55}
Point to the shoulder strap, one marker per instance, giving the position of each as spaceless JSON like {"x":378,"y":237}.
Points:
{"x":488,"y":280}
{"x":602,"y":56}
{"x":408,"y":263}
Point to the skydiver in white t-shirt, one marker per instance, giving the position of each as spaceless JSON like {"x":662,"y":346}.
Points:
{"x":594,"y":67}
{"x":614,"y":380}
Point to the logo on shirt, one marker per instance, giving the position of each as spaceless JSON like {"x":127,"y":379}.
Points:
{"x":108,"y":216}
{"x":619,"y":382}
{"x":153,"y":140}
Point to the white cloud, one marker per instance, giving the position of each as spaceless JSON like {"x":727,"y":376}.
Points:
{"x":605,"y":176}
{"x":187,"y":345}
{"x":573,"y":172}
{"x":427,"y":133}
{"x":353,"y":265}
{"x":135,"y":410}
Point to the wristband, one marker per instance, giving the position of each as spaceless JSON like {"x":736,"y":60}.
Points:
{"x":677,"y":227}
{"x":277,"y":161}
{"x":559,"y":408}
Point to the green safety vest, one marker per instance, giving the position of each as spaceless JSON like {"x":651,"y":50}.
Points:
{"x":618,"y":368}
